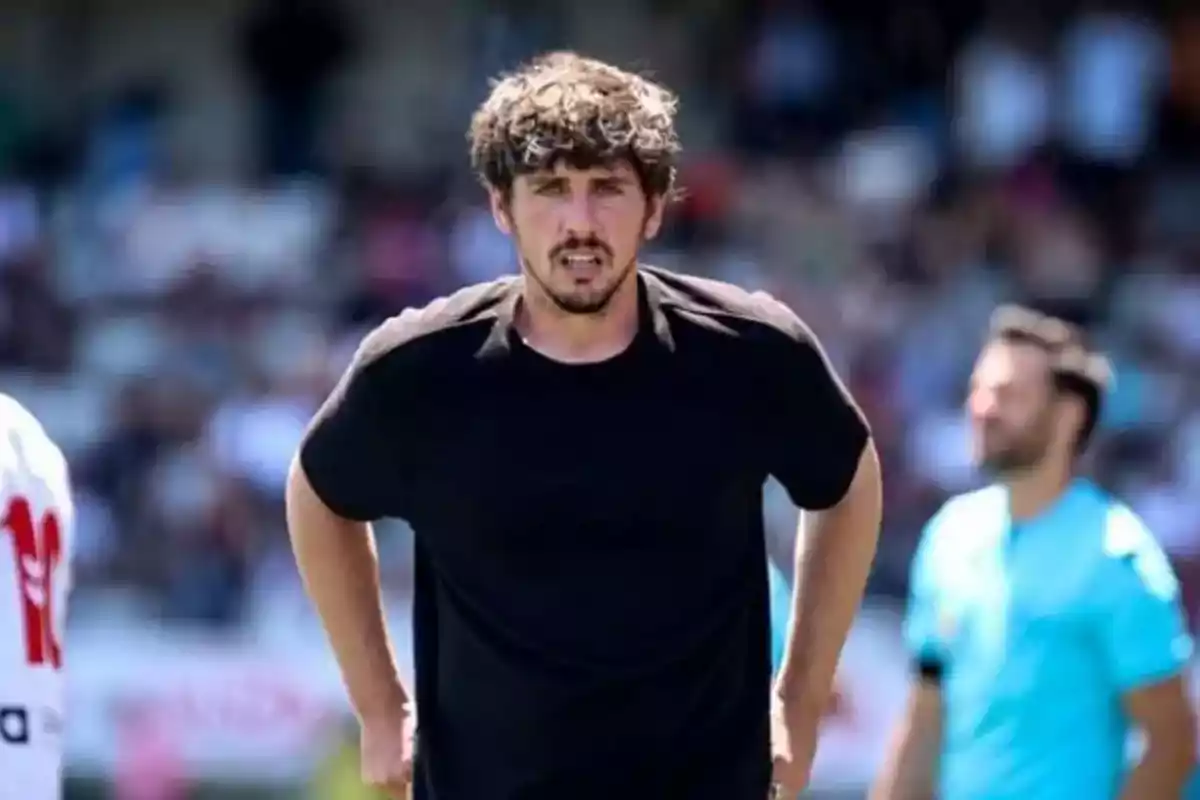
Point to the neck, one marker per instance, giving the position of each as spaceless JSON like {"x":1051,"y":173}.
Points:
{"x":1033,"y":491}
{"x":579,"y":338}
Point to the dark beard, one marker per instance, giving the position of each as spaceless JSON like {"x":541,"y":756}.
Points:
{"x":1024,"y":452}
{"x":583,"y":306}
{"x":1003,"y":465}
{"x":1014,"y":460}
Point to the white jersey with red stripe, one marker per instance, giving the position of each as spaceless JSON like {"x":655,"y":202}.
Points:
{"x":35,"y":576}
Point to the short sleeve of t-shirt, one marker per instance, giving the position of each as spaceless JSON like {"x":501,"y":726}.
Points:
{"x":1140,"y":619}
{"x":817,"y":432}
{"x":922,"y":628}
{"x":349,"y":450}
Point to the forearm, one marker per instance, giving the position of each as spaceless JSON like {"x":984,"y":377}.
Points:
{"x":910,"y":768}
{"x":1160,"y":774}
{"x":340,"y":569}
{"x":833,"y":559}
{"x":906,"y":775}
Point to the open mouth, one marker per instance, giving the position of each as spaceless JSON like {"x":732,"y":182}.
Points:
{"x":580,"y":259}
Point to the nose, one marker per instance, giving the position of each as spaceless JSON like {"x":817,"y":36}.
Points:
{"x":983,"y":405}
{"x":579,"y":217}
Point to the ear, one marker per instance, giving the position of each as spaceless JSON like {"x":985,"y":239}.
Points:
{"x":1071,"y":418}
{"x":500,"y":210}
{"x":656,"y":207}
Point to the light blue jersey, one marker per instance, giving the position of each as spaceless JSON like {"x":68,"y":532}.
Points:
{"x":1040,"y":627}
{"x":781,"y":612}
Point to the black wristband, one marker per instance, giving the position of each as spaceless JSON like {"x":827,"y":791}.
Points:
{"x":930,"y":669}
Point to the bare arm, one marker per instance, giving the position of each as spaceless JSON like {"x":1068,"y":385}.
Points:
{"x":344,"y":476}
{"x":1163,"y":713}
{"x":910,"y":768}
{"x":338,"y":563}
{"x":833,"y":559}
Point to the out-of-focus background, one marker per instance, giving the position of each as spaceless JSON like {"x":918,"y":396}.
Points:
{"x":204,"y":204}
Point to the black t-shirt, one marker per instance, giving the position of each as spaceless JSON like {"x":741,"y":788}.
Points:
{"x":590,"y":614}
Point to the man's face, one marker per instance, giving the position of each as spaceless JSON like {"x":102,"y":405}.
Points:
{"x":578,"y":231}
{"x":1012,"y":407}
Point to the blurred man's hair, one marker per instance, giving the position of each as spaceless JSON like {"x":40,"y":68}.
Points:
{"x":564,"y":107}
{"x":1075,"y":369}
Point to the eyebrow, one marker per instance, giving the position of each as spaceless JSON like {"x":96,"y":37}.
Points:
{"x":613,"y":180}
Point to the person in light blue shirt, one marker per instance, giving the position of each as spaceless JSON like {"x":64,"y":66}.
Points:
{"x":1044,"y":620}
{"x":781,"y":613}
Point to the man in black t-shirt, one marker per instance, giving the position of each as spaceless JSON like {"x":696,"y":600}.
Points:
{"x":581,"y":450}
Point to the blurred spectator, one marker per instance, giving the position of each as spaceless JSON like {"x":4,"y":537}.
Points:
{"x":402,"y":254}
{"x":13,"y":133}
{"x":478,"y":251}
{"x":291,"y":49}
{"x":36,"y":327}
{"x":1181,"y":120}
{"x":20,"y":223}
{"x":1003,"y":92}
{"x":126,"y":147}
{"x":1114,"y":66}
{"x":793,"y":77}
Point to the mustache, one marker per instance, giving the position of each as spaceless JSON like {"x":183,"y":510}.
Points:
{"x":578,"y":243}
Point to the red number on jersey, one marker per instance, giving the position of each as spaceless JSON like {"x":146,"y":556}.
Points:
{"x":37,"y":550}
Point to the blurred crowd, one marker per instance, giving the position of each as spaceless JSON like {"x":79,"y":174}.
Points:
{"x":176,"y":317}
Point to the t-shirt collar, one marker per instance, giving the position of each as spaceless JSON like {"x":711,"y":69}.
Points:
{"x":652,"y":298}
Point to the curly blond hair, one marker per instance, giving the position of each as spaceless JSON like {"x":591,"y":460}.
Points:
{"x":563,"y":106}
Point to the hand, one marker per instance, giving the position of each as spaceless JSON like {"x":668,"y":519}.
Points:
{"x":793,"y":745}
{"x":387,"y":753}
